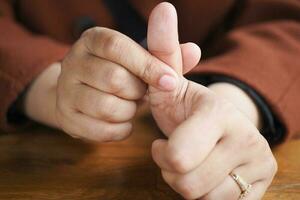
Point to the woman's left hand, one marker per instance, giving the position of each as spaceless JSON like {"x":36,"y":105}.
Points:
{"x":214,"y":140}
{"x":209,"y":138}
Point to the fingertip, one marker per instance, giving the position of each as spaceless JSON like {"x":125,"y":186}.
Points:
{"x":165,"y":10}
{"x":158,"y":144}
{"x":179,"y":159}
{"x":157,"y":149}
{"x":191,"y":55}
{"x":125,"y":133}
{"x":166,"y":5}
{"x":162,"y":28}
{"x":196,"y":51}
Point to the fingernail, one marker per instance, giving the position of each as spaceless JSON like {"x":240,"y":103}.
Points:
{"x":167,"y":82}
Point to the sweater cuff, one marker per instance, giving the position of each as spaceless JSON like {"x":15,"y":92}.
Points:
{"x":11,"y":115}
{"x":272,"y":128}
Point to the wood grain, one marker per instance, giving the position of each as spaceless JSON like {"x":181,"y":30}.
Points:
{"x":41,"y":163}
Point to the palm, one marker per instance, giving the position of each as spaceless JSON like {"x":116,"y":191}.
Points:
{"x":168,"y":108}
{"x":171,"y":109}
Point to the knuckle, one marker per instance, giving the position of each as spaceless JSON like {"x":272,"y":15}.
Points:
{"x":111,"y":44}
{"x":116,"y":78}
{"x":99,"y":38}
{"x":91,"y":33}
{"x":271,"y":165}
{"x":90,"y":37}
{"x":179,"y":160}
{"x":251,"y":139}
{"x":148,"y":70}
{"x":263,"y":146}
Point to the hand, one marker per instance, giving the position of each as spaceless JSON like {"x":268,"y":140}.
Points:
{"x":209,"y":138}
{"x":96,"y":91}
{"x":101,"y":79}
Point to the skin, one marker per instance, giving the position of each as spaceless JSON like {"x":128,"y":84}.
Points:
{"x":93,"y":95}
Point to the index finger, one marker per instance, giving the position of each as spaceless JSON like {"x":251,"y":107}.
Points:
{"x":116,"y":47}
{"x":189,"y":145}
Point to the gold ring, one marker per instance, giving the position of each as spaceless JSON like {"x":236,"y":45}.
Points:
{"x":243,"y":185}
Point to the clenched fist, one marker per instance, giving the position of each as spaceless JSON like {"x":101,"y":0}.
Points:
{"x":209,"y":138}
{"x":101,"y":79}
{"x":92,"y":94}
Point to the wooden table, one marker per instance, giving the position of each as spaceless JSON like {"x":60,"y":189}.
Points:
{"x":41,"y":163}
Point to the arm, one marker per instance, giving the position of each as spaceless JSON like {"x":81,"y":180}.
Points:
{"x":42,"y":94}
{"x":240,"y":99}
{"x":264,"y":55}
{"x":23,"y":57}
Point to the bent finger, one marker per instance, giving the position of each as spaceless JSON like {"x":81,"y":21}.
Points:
{"x":185,"y":152}
{"x":111,"y":78}
{"x":162,"y":35}
{"x":191,"y":54}
{"x":103,"y":106}
{"x":118,"y":48}
{"x":88,"y":128}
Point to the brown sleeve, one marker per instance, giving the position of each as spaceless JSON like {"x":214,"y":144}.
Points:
{"x":263,"y":51}
{"x":23,"y":56}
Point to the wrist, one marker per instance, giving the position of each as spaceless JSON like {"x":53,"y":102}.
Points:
{"x":240,"y":99}
{"x":40,"y":98}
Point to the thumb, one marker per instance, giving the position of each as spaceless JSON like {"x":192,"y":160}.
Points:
{"x":162,"y":36}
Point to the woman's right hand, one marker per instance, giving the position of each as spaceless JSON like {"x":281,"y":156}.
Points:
{"x":101,"y":79}
{"x":92,"y":94}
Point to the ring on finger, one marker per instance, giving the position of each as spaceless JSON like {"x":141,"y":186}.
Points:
{"x":243,"y":185}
